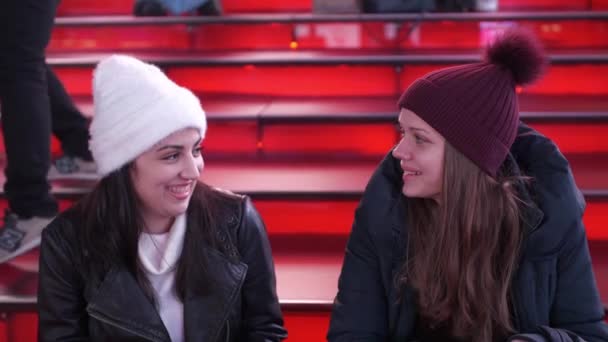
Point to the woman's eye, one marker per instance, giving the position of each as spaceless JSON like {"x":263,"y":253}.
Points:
{"x":171,"y":157}
{"x":399,"y":129}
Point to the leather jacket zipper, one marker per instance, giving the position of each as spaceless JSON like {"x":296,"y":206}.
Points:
{"x":103,"y":318}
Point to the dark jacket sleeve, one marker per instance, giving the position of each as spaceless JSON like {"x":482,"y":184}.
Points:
{"x":577,"y":313}
{"x":360,"y":307}
{"x":61,"y":306}
{"x":262,"y":318}
{"x":360,"y":310}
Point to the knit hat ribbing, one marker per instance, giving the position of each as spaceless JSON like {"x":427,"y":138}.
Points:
{"x":136,"y":105}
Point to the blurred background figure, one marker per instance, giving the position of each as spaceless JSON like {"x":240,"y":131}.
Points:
{"x":34,"y":103}
{"x":144,"y":8}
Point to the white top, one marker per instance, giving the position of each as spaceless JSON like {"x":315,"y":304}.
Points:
{"x":159,"y":254}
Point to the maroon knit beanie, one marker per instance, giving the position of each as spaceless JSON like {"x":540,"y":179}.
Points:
{"x":474,"y":106}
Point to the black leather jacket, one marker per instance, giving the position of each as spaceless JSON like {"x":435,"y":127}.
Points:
{"x":245,"y":308}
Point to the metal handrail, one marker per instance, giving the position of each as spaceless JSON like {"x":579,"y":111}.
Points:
{"x":318,"y":58}
{"x":244,"y":19}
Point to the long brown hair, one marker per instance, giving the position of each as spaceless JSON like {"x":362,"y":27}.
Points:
{"x":463,"y":252}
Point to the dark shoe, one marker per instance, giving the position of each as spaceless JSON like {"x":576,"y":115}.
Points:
{"x":211,"y":7}
{"x":148,"y":8}
{"x":19,"y":235}
{"x":68,"y":167}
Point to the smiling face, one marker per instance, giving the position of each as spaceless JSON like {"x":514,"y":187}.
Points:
{"x":164,"y":178}
{"x":420,"y":152}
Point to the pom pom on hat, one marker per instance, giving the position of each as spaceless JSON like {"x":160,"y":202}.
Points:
{"x":520,"y":52}
{"x":136,"y":105}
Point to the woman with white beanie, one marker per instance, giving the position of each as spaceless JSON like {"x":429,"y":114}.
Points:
{"x":152,"y":253}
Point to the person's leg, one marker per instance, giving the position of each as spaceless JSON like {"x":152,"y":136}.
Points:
{"x":69,"y":125}
{"x":71,"y":128}
{"x":25,"y":28}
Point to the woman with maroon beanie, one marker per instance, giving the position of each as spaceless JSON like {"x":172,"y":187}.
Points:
{"x":470,"y":229}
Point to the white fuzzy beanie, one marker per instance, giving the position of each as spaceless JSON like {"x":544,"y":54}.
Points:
{"x":136,"y":106}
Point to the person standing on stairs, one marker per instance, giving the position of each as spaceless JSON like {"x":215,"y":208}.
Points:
{"x":471,"y":228}
{"x":33,"y":103}
{"x":152,"y":253}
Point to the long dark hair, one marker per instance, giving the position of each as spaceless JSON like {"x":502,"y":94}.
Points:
{"x":113,"y":224}
{"x":463,"y":252}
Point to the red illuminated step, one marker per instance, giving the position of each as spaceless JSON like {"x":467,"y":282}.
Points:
{"x":344,"y":179}
{"x":222,"y":108}
{"x":296,"y":198}
{"x":363,"y":127}
{"x":306,"y":325}
{"x":600,"y":5}
{"x":295,"y":216}
{"x":303,"y":326}
{"x":149,"y":35}
{"x":95,"y":7}
{"x":363,"y":80}
{"x":333,"y":128}
{"x":329,"y":74}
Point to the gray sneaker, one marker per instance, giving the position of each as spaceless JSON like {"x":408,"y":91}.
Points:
{"x":68,"y":167}
{"x":18,"y":236}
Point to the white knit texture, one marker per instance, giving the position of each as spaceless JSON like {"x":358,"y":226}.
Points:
{"x":136,"y":106}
